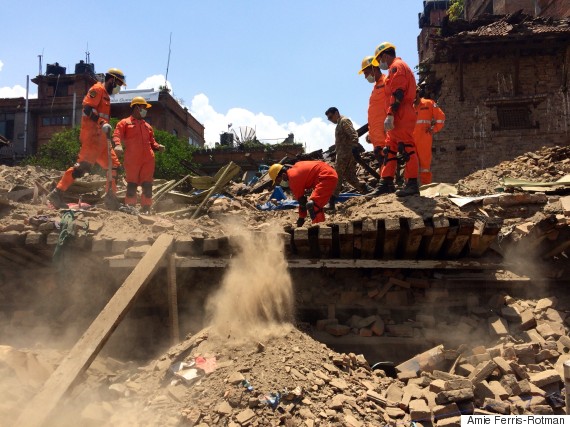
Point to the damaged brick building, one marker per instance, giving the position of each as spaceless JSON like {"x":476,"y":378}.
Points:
{"x":501,"y":77}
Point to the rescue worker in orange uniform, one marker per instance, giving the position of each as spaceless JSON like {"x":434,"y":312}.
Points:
{"x":140,"y":145}
{"x":430,"y":119}
{"x":302,"y":176}
{"x":399,"y":123}
{"x":377,"y":104}
{"x":95,"y":129}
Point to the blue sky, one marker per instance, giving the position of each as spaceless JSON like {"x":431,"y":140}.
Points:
{"x":272,"y":65}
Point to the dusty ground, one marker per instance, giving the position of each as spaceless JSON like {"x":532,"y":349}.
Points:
{"x":317,"y":386}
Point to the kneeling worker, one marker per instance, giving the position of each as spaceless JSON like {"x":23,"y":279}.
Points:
{"x":140,"y":145}
{"x":305,"y":175}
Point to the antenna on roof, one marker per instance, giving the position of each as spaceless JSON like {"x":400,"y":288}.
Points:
{"x":40,"y":62}
{"x":87,"y":54}
{"x":168,"y":63}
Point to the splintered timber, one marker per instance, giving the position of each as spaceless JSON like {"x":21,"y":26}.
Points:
{"x":495,"y":420}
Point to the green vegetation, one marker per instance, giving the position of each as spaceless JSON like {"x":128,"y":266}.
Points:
{"x":61,"y":152}
{"x":455,"y":10}
{"x":168,"y":163}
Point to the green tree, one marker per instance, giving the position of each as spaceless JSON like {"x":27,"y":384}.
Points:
{"x":168,"y":162}
{"x":455,"y":10}
{"x":59,"y":153}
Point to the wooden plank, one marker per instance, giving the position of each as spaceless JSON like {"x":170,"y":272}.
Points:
{"x":301,"y":239}
{"x":391,"y":238}
{"x":120,"y":261}
{"x":457,"y":237}
{"x":565,"y":201}
{"x":369,"y":236}
{"x":173,"y":300}
{"x":411,"y":236}
{"x":488,"y":234}
{"x":14,"y":258}
{"x":325,"y":241}
{"x":86,"y":349}
{"x":357,"y":239}
{"x":41,"y":261}
{"x":346,"y":239}
{"x":433,"y":243}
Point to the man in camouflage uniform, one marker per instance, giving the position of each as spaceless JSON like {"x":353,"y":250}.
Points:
{"x":346,"y":139}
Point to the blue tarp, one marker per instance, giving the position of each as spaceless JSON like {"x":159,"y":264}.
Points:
{"x":278,"y":201}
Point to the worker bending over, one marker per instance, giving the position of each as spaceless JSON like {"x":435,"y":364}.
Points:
{"x":307,"y":175}
{"x":140,"y":145}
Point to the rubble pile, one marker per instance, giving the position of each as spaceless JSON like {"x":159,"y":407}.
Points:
{"x":547,"y":164}
{"x":290,"y":379}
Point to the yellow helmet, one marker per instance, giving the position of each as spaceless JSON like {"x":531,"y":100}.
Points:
{"x":139,"y":100}
{"x":118,"y":74}
{"x":274,"y":171}
{"x":382,"y":47}
{"x":368,"y":61}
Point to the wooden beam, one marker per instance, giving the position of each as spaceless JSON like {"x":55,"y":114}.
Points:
{"x":391,"y":237}
{"x":86,"y":349}
{"x":173,"y":300}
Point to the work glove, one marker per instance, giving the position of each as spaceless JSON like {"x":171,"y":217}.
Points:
{"x":311,"y":209}
{"x":107,"y":129}
{"x":161,"y":148}
{"x":300,"y":221}
{"x":303,"y":203}
{"x":118,"y":149}
{"x":388,"y":123}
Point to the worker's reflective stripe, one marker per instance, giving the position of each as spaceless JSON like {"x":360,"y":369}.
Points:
{"x":440,"y":121}
{"x":93,"y":111}
{"x":424,"y":170}
{"x":423,"y":121}
{"x":103,"y":115}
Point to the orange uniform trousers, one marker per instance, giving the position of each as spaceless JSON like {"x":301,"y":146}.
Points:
{"x":93,"y":150}
{"x":401,"y":78}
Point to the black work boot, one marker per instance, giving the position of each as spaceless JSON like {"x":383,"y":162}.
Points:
{"x":386,"y":187}
{"x":56,"y":199}
{"x":411,"y":188}
{"x":331,"y":206}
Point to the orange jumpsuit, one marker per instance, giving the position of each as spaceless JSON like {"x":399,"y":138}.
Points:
{"x":93,"y":139}
{"x":140,"y":145}
{"x":430,"y":120}
{"x":400,"y":76}
{"x":377,"y":113}
{"x":315,"y":175}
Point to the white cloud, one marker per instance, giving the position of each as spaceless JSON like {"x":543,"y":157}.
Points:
{"x":1,"y":65}
{"x":315,"y":133}
{"x":16,"y":91}
{"x":153,"y":82}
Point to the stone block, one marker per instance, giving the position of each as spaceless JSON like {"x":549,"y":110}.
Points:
{"x":444,"y":397}
{"x":446,"y":411}
{"x":323,"y":323}
{"x":503,"y":365}
{"x":337,"y":330}
{"x":528,"y":321}
{"x":457,"y":384}
{"x":465,"y":369}
{"x":419,"y":410}
{"x":483,"y":391}
{"x":544,"y":378}
{"x":497,"y":406}
{"x":545,"y":303}
{"x":437,"y":385}
{"x":498,"y":326}
{"x":482,"y":371}
{"x":498,"y":390}
{"x":449,"y":422}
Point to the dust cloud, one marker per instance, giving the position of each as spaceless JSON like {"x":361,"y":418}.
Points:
{"x":255,"y":300}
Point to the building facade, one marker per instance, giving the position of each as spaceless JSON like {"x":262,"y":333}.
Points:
{"x":502,"y":81}
{"x":58,"y":106}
